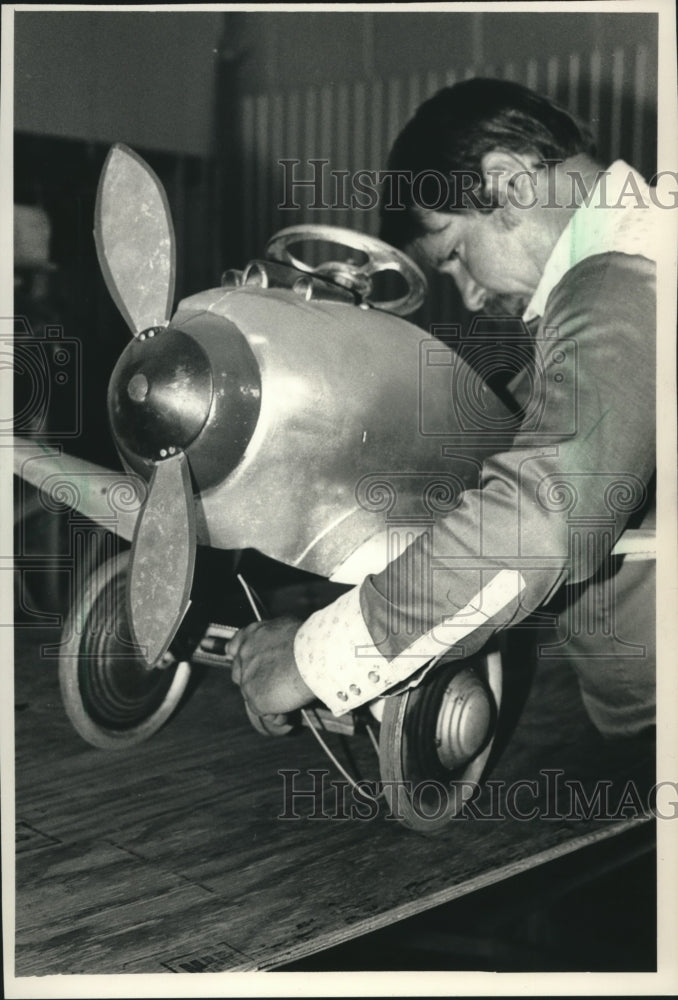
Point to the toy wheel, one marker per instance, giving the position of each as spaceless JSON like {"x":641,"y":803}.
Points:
{"x":113,"y":700}
{"x":436,"y":738}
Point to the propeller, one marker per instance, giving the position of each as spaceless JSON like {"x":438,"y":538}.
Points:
{"x":134,"y":238}
{"x":163,"y":558}
{"x":136,"y":249}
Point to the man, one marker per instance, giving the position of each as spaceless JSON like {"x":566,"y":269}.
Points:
{"x":527,"y":212}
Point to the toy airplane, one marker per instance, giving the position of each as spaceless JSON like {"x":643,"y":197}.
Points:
{"x":284,"y":411}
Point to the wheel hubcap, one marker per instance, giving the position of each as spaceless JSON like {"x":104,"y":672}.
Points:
{"x":464,"y":720}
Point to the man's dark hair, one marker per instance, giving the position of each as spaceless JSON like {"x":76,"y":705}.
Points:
{"x":454,"y":129}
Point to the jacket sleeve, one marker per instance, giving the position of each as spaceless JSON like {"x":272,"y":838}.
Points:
{"x":547,"y":511}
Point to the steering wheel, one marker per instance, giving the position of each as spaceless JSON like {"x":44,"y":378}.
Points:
{"x":357,"y":277}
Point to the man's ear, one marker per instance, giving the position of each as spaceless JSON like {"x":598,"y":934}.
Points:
{"x":509,"y":177}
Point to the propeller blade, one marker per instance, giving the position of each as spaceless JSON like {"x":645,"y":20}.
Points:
{"x":163,"y":558}
{"x":134,"y":238}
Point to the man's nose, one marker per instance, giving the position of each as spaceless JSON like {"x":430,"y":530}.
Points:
{"x":473,"y":295}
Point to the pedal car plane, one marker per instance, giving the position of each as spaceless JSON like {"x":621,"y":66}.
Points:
{"x":286,"y":411}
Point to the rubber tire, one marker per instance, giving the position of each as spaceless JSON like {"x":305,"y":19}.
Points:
{"x":394,"y":766}
{"x":106,"y":712}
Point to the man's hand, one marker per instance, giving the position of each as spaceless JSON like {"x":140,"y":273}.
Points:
{"x":265,"y":668}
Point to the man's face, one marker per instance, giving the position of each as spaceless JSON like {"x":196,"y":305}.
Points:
{"x":487,"y":254}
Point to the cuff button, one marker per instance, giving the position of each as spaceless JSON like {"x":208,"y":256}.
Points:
{"x":342,"y":696}
{"x":373,"y":676}
{"x":354,"y":689}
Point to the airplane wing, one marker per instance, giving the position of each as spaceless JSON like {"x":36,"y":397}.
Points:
{"x":111,"y":499}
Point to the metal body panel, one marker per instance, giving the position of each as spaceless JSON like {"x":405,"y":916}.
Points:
{"x":338,"y":450}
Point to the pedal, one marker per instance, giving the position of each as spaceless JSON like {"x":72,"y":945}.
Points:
{"x":211,"y":650}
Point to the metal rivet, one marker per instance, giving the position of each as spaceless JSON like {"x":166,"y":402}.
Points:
{"x":342,"y":696}
{"x":354,"y":689}
{"x":373,"y":676}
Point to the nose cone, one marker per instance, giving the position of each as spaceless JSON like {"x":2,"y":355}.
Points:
{"x":160,"y":394}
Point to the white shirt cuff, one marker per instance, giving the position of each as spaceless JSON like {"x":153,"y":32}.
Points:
{"x":337,"y":658}
{"x":339,"y":662}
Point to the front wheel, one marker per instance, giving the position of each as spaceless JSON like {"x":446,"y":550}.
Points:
{"x":111,"y":697}
{"x":436,"y":738}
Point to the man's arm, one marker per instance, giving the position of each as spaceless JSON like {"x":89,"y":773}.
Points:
{"x":512,"y":543}
{"x":509,"y":545}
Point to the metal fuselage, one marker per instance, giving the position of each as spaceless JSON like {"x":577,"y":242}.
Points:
{"x":305,"y":423}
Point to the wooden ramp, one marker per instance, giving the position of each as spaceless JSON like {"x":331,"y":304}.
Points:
{"x":173,"y":856}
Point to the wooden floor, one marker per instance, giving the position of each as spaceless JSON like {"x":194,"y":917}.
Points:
{"x":172,"y":856}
